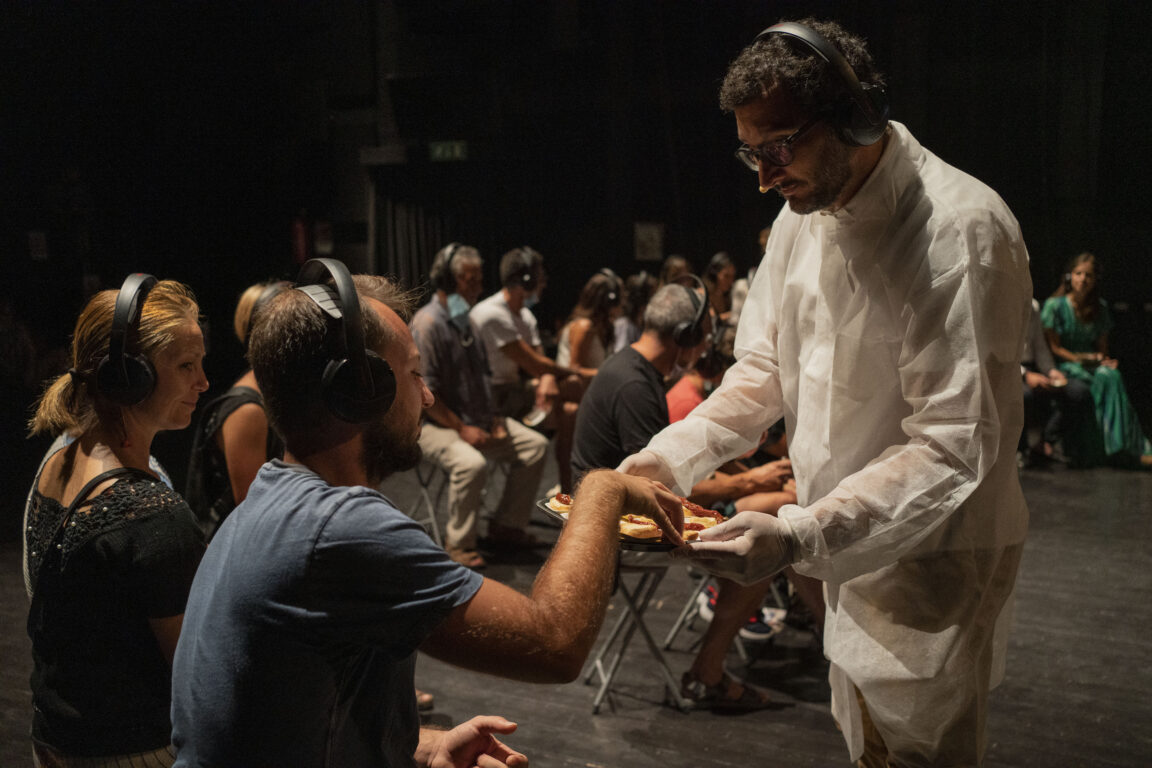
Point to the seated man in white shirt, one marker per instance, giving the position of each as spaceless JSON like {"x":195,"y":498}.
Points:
{"x":524,"y":379}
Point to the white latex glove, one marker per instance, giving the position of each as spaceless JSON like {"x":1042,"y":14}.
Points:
{"x":649,"y":465}
{"x":748,"y":548}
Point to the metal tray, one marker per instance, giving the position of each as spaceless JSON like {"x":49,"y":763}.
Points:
{"x":626,"y":542}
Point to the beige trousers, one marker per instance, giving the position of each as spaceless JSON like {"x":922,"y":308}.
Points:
{"x":467,"y":468}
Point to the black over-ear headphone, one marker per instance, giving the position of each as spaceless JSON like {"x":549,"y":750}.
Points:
{"x":442,"y":277}
{"x":358,"y":385}
{"x":712,"y":363}
{"x":690,"y":334}
{"x":615,"y":286}
{"x":525,"y":274}
{"x":862,"y":120}
{"x":122,"y":378}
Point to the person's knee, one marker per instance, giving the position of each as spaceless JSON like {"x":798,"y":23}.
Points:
{"x":468,"y":467}
{"x":1107,"y":376}
{"x":535,"y":449}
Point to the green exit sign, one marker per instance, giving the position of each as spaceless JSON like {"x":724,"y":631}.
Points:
{"x":447,"y":151}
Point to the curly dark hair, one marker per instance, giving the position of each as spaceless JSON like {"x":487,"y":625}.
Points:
{"x":784,"y":62}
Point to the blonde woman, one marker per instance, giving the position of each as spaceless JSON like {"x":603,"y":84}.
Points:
{"x":110,"y":550}
{"x":232,"y":438}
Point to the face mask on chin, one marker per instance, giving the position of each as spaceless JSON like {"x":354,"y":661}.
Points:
{"x":458,"y":311}
{"x":531,"y":300}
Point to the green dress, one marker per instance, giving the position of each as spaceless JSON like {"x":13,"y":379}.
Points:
{"x":1116,"y":436}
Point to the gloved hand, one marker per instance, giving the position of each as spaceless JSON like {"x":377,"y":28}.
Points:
{"x":647,"y":464}
{"x":748,"y":548}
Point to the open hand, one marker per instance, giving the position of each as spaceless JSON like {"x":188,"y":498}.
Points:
{"x":470,"y":745}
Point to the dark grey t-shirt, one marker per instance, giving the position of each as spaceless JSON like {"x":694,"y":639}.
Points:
{"x":300,"y":632}
{"x":621,"y":411}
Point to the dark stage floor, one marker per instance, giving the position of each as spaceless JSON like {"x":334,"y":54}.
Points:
{"x":1078,"y":690}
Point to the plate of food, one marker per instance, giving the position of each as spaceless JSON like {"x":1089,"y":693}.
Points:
{"x":640,"y":532}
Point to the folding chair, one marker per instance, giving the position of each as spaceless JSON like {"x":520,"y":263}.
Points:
{"x":427,"y":472}
{"x":637,"y":597}
{"x":425,"y":512}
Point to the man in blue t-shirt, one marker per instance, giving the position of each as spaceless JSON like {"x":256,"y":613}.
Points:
{"x":300,"y":634}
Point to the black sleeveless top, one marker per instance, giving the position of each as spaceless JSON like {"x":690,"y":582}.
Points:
{"x":100,"y":683}
{"x":209,"y":488}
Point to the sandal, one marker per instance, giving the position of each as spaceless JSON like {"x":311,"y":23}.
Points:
{"x":728,"y":695}
{"x":424,"y":701}
{"x":469,"y":558}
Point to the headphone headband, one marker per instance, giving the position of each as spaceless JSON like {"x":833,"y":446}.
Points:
{"x":860,"y":128}
{"x":691,"y":334}
{"x":443,"y":278}
{"x":616,"y":285}
{"x":123,"y":378}
{"x":361,"y":385}
{"x":126,"y":316}
{"x":524,"y":274}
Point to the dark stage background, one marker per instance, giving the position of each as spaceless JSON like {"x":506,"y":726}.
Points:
{"x":188,"y":139}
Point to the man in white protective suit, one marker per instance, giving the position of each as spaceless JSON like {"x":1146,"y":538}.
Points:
{"x":885,"y":324}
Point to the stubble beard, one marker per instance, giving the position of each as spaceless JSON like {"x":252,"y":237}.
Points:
{"x":829,"y":181}
{"x":386,"y":451}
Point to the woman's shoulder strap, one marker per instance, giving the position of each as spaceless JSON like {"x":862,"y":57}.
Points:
{"x":102,"y":477}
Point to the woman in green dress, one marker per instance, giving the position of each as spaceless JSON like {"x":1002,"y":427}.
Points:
{"x":1076,"y":323}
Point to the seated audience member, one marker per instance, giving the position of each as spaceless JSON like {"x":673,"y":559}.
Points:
{"x":638,"y":289}
{"x":1043,"y":385}
{"x":625,"y":403}
{"x":109,"y":550}
{"x":735,"y":608}
{"x":462,"y":428}
{"x":718,"y":278}
{"x":232,"y":438}
{"x":524,"y":379}
{"x":1076,"y":323}
{"x":676,"y":269}
{"x":305,"y":615}
{"x":586,"y":339}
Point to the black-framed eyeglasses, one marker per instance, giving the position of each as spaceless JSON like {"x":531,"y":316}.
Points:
{"x":776,"y":153}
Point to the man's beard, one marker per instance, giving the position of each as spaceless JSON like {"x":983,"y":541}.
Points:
{"x":831,"y":177}
{"x":386,"y":451}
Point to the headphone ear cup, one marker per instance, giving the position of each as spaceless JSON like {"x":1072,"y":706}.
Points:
{"x":855,"y":126}
{"x":128,"y":383}
{"x":340,"y":387}
{"x":688,"y":334}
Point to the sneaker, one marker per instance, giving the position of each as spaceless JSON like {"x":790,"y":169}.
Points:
{"x":706,"y":603}
{"x":535,"y":417}
{"x":764,"y":625}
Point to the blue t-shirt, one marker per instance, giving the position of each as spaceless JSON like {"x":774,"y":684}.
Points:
{"x":299,"y":638}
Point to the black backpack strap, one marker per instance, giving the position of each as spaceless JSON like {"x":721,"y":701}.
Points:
{"x":82,"y":496}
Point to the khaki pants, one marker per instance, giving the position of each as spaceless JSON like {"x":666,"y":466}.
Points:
{"x":523,"y":451}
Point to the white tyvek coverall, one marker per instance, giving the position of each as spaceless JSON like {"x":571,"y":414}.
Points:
{"x":888,"y":335}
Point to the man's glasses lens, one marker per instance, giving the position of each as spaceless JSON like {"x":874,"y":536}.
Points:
{"x":778,"y":153}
